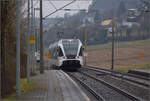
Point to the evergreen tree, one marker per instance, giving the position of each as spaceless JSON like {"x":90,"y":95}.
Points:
{"x":97,"y":18}
{"x":121,"y":9}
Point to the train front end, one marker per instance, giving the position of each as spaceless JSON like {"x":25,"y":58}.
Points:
{"x":72,"y":53}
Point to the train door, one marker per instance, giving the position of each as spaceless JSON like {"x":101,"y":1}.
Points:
{"x":60,"y":56}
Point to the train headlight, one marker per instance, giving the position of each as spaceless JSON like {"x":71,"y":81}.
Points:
{"x":64,"y":57}
{"x":77,"y":56}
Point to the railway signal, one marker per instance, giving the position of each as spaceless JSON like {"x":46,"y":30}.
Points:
{"x":141,"y":54}
{"x":49,"y":56}
{"x":32,"y":40}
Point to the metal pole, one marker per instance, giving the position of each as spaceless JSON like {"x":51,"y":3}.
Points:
{"x":38,"y":35}
{"x":28,"y":45}
{"x":148,"y":30}
{"x":35,"y":32}
{"x":32,"y":32}
{"x":36,"y":38}
{"x":0,"y":51}
{"x":35,"y":46}
{"x":41,"y":39}
{"x":113,"y":26}
{"x":85,"y":42}
{"x":18,"y":92}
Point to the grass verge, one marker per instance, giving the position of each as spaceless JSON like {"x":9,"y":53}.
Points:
{"x":25,"y":88}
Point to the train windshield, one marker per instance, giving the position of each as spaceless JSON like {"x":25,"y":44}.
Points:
{"x":71,"y":47}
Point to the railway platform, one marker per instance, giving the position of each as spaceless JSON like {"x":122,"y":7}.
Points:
{"x":54,"y":85}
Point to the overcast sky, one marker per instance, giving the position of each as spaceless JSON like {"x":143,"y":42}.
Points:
{"x":48,"y":7}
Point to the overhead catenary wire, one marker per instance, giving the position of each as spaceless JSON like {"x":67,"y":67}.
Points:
{"x":59,"y":9}
{"x":52,"y":4}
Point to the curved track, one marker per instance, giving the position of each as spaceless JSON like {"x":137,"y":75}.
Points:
{"x":97,"y":96}
{"x":126,"y":76}
{"x":101,"y":89}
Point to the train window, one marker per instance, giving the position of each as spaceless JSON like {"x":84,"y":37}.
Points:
{"x":51,"y":52}
{"x":55,"y":52}
{"x":60,"y":52}
{"x":81,"y":51}
{"x":71,"y":47}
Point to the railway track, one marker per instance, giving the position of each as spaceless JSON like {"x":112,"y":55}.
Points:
{"x":94,"y":93}
{"x":121,"y":75}
{"x":101,"y":89}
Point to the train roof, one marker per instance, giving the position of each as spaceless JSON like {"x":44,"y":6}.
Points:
{"x":60,"y":42}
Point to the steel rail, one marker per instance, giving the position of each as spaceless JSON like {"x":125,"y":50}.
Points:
{"x":121,"y":75}
{"x":132,"y":97}
{"x":118,"y":72}
{"x":97,"y":96}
